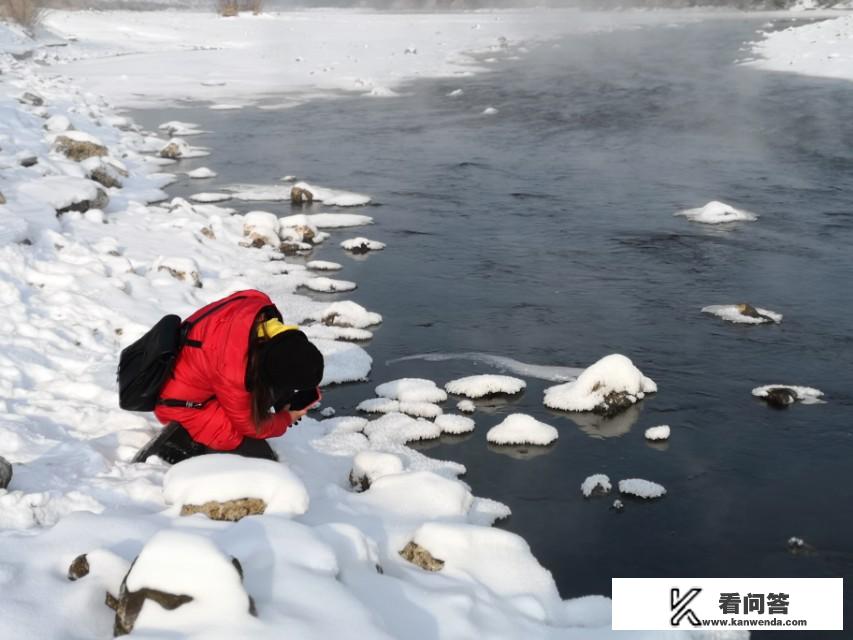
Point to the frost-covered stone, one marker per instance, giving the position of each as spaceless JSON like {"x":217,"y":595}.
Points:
{"x":328,"y":285}
{"x":202,"y":173}
{"x":79,"y":146}
{"x":641,"y":488}
{"x":519,"y":428}
{"x":326,"y":220}
{"x":399,"y":428}
{"x":378,"y":405}
{"x":261,"y":229}
{"x":466,"y":406}
{"x":743,"y":313}
{"x":717,"y":213}
{"x":660,"y":432}
{"x":348,"y":314}
{"x":225,"y":477}
{"x":300,"y":195}
{"x":362,"y":245}
{"x":411,"y":390}
{"x":5,"y":473}
{"x":367,"y":466}
{"x":596,"y":484}
{"x":483,"y":386}
{"x":184,"y":269}
{"x":322,"y":265}
{"x":782,"y":395}
{"x":607,"y":387}
{"x":66,"y":193}
{"x":178,"y":149}
{"x":454,"y":424}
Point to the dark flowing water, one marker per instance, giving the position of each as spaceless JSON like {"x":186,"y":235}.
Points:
{"x":545,"y":233}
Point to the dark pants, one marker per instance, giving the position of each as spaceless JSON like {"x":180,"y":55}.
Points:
{"x":174,"y":444}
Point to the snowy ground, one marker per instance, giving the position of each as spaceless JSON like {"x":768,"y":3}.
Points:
{"x":78,"y":286}
{"x":823,"y":49}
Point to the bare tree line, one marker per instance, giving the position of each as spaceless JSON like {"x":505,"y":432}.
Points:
{"x":230,"y":8}
{"x":27,"y":13}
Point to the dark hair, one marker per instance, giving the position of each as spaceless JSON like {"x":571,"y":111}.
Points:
{"x":278,"y":366}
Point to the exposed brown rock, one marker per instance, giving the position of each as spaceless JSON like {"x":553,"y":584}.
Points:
{"x":751,"y":312}
{"x":298,"y":195}
{"x":104,"y":176}
{"x":5,"y":473}
{"x":360,"y":483}
{"x":129,"y":605}
{"x":192,"y":276}
{"x":79,"y":150}
{"x":231,"y":510}
{"x":207,"y":232}
{"x":172,"y":151}
{"x":2,"y":198}
{"x":79,"y":568}
{"x":99,"y":202}
{"x":305,"y":232}
{"x":419,"y":556}
{"x":780,"y":397}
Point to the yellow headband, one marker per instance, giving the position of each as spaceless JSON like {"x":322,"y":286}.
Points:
{"x":271,"y":328}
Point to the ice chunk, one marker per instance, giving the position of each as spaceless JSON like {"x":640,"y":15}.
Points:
{"x":484,"y":385}
{"x":657,"y":433}
{"x":613,"y":379}
{"x":641,"y":488}
{"x":411,"y":390}
{"x":466,"y":406}
{"x":490,"y":111}
{"x":717,"y":213}
{"x":421,"y":495}
{"x":221,"y":477}
{"x":454,"y":424}
{"x":202,"y":173}
{"x":519,"y":428}
{"x":597,"y":483}
{"x":207,"y":197}
{"x":328,"y":285}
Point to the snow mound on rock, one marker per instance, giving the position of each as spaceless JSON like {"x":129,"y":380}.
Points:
{"x":612,"y":374}
{"x":362,"y":245}
{"x":326,"y":220}
{"x":597,"y":481}
{"x":322,"y":265}
{"x":375,"y":464}
{"x":454,"y":424}
{"x":322,"y":284}
{"x":484,"y":385}
{"x":411,"y":390}
{"x":717,"y":213}
{"x":519,"y":428}
{"x":806,"y":395}
{"x":183,"y":563}
{"x":466,"y":406}
{"x":398,"y":428}
{"x":641,"y":488}
{"x":419,"y":495}
{"x":499,"y":560}
{"x":379,"y":405}
{"x":345,"y":362}
{"x":743,"y":314}
{"x":202,"y":173}
{"x":660,"y":432}
{"x":222,"y":477}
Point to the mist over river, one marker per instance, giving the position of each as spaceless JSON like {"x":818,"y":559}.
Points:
{"x":545,"y":233}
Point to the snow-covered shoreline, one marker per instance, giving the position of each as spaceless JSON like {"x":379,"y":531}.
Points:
{"x":78,"y":286}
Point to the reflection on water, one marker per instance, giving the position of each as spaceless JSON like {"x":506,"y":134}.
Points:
{"x":521,"y":452}
{"x":597,"y":426}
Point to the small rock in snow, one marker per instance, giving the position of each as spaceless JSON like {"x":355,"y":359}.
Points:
{"x":184,"y":269}
{"x":420,"y":557}
{"x":228,"y":511}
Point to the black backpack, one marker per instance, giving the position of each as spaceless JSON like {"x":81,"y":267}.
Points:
{"x":146,"y":365}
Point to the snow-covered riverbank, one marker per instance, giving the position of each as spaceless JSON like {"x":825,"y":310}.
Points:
{"x":823,"y":49}
{"x":86,"y":265}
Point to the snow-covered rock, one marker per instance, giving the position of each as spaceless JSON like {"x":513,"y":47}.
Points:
{"x":607,"y":387}
{"x":179,"y":149}
{"x":190,"y":582}
{"x":466,"y":406}
{"x":743,"y":313}
{"x":400,"y":428}
{"x":328,"y":285}
{"x":223,"y":477}
{"x":482,"y":386}
{"x":411,"y":390}
{"x":261,"y":229}
{"x":717,"y":213}
{"x":79,"y":146}
{"x":361,"y":245}
{"x":5,"y":473}
{"x":660,"y":432}
{"x":367,"y":466}
{"x":641,"y":488}
{"x":65,"y":193}
{"x":202,"y":173}
{"x":348,"y":314}
{"x":210,"y":196}
{"x":379,"y":405}
{"x":326,"y":220}
{"x":519,"y":428}
{"x":454,"y":424}
{"x":782,"y":395}
{"x":322,"y":265}
{"x":183,"y":269}
{"x":596,"y":484}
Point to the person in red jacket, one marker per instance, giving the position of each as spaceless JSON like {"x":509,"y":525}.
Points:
{"x":234,"y":381}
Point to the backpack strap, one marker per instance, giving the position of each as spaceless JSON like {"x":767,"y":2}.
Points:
{"x":187,"y":326}
{"x":187,"y":404}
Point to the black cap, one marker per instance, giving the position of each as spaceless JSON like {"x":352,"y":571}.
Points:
{"x":289,"y":361}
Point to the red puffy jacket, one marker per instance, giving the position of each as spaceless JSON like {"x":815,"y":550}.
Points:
{"x":215,"y":372}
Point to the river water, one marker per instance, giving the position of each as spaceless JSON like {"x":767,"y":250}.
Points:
{"x":545,"y":233}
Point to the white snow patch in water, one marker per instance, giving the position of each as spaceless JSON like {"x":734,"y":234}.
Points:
{"x":326,"y":220}
{"x":329,"y":285}
{"x":480,"y":386}
{"x":323,"y":265}
{"x":466,"y":406}
{"x":412,"y":390}
{"x":210,"y":197}
{"x":660,"y":432}
{"x":202,"y":173}
{"x":641,"y":488}
{"x":596,"y":481}
{"x":519,"y":428}
{"x":362,"y":245}
{"x":734,"y":313}
{"x":717,"y":213}
{"x":454,"y":424}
